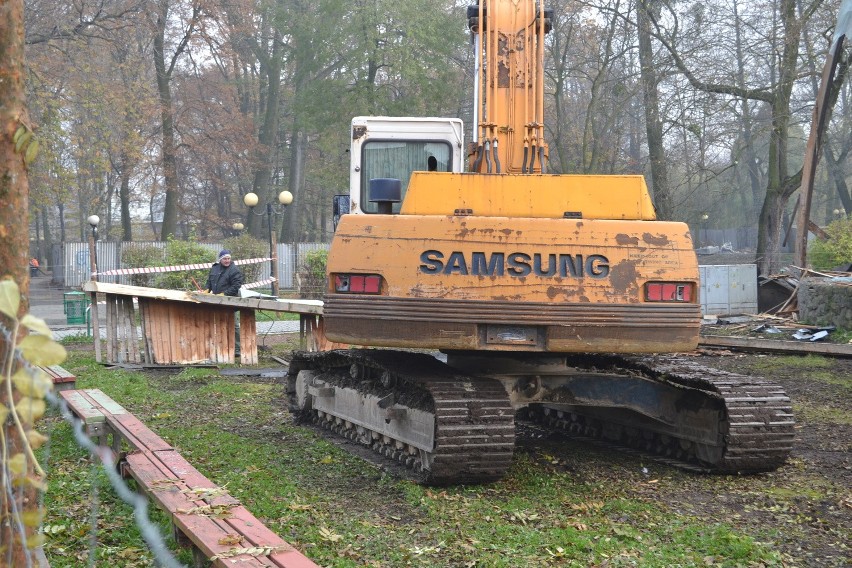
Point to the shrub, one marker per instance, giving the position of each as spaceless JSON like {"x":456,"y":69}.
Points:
{"x":186,"y":252}
{"x":834,"y":251}
{"x":142,"y":256}
{"x":246,"y":246}
{"x":312,"y":275}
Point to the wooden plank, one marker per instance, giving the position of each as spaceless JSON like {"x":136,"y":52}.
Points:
{"x":138,"y":435}
{"x":82,"y":408}
{"x":206,"y":533}
{"x":168,"y":492}
{"x":123,"y":423}
{"x":94,"y":421}
{"x":127,"y":322}
{"x":246,"y":524}
{"x":776,"y":346}
{"x":177,"y":330}
{"x":191,"y":477}
{"x":134,"y":339}
{"x":104,"y":402}
{"x":58,"y":374}
{"x":146,"y":343}
{"x":110,"y":328}
{"x":194,"y":324}
{"x":248,"y":338}
{"x":96,"y":326}
{"x":295,"y":306}
{"x":121,"y":329}
{"x":160,"y":323}
{"x":170,"y":480}
{"x":175,"y":341}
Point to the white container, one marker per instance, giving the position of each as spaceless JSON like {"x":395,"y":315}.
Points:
{"x":728,"y":289}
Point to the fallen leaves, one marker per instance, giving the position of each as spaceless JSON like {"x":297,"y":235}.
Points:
{"x":328,"y":535}
{"x":251,"y":551}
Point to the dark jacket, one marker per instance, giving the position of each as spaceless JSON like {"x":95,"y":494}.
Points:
{"x":225,"y":280}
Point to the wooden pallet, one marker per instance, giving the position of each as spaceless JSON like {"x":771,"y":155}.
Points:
{"x":62,"y":379}
{"x":203,"y":515}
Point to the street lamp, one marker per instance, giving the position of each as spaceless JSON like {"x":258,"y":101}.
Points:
{"x":238,"y":226}
{"x":704,"y":218}
{"x":93,"y":220}
{"x":285,"y":198}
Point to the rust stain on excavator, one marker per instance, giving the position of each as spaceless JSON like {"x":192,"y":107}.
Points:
{"x":500,"y":235}
{"x":624,"y":276}
{"x":625,"y":240}
{"x":567,"y":292}
{"x":656,"y":240}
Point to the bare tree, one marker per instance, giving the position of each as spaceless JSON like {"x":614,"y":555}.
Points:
{"x":776,"y":94}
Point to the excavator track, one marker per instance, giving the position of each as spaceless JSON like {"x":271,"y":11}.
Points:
{"x":755,"y":431}
{"x":473,"y":434}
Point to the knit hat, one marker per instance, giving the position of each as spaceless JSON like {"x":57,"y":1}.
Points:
{"x":224,"y":252}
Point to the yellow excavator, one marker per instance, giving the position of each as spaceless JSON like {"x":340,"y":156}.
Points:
{"x":504,"y":293}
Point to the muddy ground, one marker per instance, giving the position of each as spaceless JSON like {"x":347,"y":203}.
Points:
{"x":803,"y":510}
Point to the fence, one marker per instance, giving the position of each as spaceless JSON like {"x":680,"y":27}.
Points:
{"x":71,"y":267}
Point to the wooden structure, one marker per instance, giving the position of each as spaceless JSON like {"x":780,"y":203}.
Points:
{"x":170,"y":327}
{"x":203,"y":515}
{"x":62,"y":379}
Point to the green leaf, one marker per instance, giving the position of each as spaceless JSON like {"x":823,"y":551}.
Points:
{"x":28,"y":385}
{"x":22,"y":141}
{"x":36,"y":324}
{"x":42,"y":350}
{"x":10,"y":298}
{"x":32,"y":152}
{"x":30,"y":409}
{"x":18,"y":133}
{"x":17,"y":464}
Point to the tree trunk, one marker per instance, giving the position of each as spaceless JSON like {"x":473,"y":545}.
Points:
{"x":780,"y":186}
{"x":838,"y":176}
{"x":298,"y":146}
{"x":47,"y":241}
{"x":747,"y":126}
{"x":653,"y":125}
{"x":268,"y":135}
{"x":14,"y":249}
{"x":124,"y":198}
{"x":169,"y":158}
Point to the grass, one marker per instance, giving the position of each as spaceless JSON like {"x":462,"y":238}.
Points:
{"x":342,"y":512}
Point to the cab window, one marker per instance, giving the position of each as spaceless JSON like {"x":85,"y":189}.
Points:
{"x":397,"y":159}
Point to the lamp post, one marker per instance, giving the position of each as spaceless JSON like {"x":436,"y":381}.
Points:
{"x":704,"y":218}
{"x":285,"y":198}
{"x":93,"y":220}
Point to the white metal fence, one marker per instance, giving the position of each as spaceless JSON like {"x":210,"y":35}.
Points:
{"x":71,"y":266}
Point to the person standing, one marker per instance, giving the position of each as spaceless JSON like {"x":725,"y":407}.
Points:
{"x":226,"y":279}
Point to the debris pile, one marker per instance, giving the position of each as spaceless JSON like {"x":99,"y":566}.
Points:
{"x":777,"y":294}
{"x":765,"y":326}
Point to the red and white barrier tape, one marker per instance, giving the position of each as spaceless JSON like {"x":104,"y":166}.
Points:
{"x":176,"y":268}
{"x":259,"y":283}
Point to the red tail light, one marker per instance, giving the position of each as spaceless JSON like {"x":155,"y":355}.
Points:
{"x":668,"y":291}
{"x":358,"y":283}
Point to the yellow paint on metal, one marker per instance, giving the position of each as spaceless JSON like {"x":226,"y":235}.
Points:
{"x":394,"y":246}
{"x":532,"y":196}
